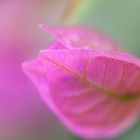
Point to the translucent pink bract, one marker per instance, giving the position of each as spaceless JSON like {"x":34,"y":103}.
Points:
{"x":94,"y":92}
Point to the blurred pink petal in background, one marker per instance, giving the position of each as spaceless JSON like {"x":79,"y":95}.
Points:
{"x":20,"y":106}
{"x":92,"y":91}
{"x":76,"y":36}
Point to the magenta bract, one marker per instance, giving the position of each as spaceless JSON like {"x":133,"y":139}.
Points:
{"x":94,"y":92}
{"x":81,"y":37}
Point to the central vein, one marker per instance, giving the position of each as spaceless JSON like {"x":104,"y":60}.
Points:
{"x":93,"y":86}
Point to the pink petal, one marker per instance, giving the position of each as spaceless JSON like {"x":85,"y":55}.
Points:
{"x":81,"y":36}
{"x":83,"y":88}
{"x":56,"y":44}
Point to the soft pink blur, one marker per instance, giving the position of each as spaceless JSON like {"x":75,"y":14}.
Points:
{"x":20,"y":105}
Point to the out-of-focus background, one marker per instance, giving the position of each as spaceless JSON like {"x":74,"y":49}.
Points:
{"x":23,"y":115}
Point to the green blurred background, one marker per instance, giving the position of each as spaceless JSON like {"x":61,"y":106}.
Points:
{"x":119,"y":18}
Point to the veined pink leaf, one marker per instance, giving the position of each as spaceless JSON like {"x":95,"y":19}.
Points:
{"x":91,"y":91}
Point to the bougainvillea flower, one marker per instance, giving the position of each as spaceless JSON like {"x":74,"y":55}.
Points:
{"x":88,"y":82}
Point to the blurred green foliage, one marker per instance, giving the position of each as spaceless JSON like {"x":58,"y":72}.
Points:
{"x":119,"y":18}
